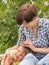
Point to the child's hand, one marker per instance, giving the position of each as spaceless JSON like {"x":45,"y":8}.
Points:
{"x":4,"y":56}
{"x":8,"y":60}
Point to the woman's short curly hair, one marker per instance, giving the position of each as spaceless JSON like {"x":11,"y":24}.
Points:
{"x":26,"y":12}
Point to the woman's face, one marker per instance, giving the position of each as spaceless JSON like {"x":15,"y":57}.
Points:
{"x":31,"y":24}
{"x":20,"y":53}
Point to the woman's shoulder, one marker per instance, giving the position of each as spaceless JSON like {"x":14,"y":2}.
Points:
{"x":44,"y":21}
{"x":22,"y":28}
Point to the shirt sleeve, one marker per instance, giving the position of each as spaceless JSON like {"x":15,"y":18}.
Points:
{"x":21,"y":36}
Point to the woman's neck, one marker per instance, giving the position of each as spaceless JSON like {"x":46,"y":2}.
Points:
{"x":34,"y":29}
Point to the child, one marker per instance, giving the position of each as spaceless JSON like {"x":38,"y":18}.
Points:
{"x":20,"y":52}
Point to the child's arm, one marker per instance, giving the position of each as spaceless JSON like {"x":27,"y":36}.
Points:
{"x":7,"y":52}
{"x":8,"y":61}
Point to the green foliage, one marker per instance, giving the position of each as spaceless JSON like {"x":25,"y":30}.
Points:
{"x":8,"y":25}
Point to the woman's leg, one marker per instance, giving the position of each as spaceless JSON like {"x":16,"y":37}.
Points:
{"x":44,"y":61}
{"x":29,"y":59}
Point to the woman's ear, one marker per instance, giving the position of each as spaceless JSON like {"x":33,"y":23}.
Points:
{"x":35,"y":18}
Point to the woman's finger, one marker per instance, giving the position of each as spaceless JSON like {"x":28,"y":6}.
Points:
{"x":27,"y":45}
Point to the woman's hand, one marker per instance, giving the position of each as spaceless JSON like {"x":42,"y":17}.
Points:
{"x":29,"y":44}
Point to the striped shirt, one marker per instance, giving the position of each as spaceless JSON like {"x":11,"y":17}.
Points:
{"x":42,"y":38}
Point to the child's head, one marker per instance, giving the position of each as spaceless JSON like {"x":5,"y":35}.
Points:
{"x":20,"y":52}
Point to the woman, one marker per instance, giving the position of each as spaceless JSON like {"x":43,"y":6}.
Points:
{"x":34,"y":33}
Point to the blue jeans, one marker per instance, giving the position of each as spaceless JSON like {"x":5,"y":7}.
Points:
{"x":30,"y":59}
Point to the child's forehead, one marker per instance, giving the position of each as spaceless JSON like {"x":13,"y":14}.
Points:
{"x":20,"y":48}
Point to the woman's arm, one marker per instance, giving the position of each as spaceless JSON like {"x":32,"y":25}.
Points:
{"x":41,"y":50}
{"x":35,"y":49}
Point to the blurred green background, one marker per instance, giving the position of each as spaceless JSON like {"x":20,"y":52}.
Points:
{"x":8,"y":25}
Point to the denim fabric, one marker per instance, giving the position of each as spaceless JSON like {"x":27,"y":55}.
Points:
{"x":30,"y":59}
{"x":44,"y":61}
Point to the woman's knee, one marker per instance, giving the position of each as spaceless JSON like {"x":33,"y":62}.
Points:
{"x":44,"y":61}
